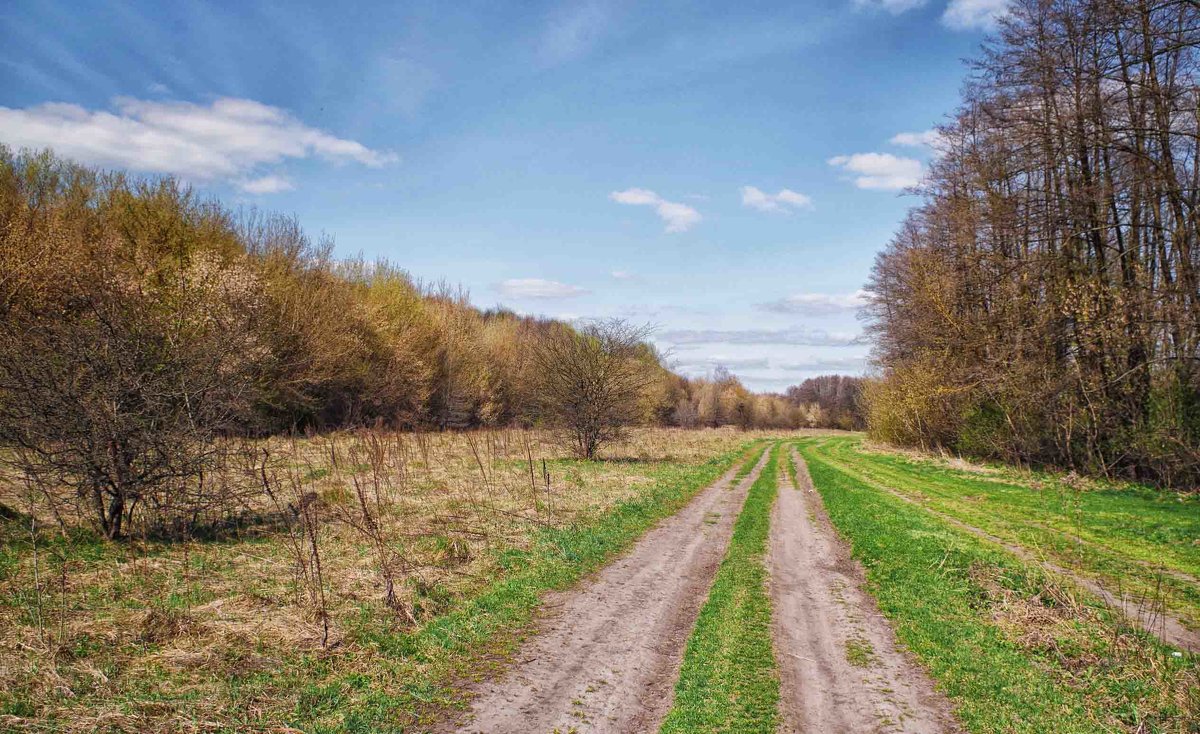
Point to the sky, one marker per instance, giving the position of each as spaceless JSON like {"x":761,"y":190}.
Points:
{"x":723,"y":171}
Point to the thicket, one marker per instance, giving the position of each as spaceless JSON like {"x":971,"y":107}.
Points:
{"x":140,"y":325}
{"x":831,"y":401}
{"x":1041,"y":305}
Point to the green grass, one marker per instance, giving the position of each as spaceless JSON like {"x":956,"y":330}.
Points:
{"x":1118,"y":535}
{"x":995,"y":633}
{"x":860,"y":653}
{"x":488,"y":627}
{"x":729,"y":681}
{"x":750,"y":455}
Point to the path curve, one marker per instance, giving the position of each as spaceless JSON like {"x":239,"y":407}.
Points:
{"x":823,"y":620}
{"x":606,"y":657}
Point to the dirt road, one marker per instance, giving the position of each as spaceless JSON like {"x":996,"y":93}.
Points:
{"x":606,"y":657}
{"x":840,"y":668}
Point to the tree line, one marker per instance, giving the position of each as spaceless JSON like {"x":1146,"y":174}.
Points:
{"x":141,"y":324}
{"x":1041,"y":304}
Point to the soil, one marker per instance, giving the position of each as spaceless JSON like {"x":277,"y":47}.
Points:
{"x":841,"y":669}
{"x":606,"y":655}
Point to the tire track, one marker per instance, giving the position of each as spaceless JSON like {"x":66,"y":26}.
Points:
{"x":606,"y":657}
{"x":1147,"y":615}
{"x":841,"y":669}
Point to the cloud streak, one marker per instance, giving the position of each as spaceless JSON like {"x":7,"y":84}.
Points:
{"x":785,"y":200}
{"x":826,"y":364}
{"x":733,"y":363}
{"x":816,"y":304}
{"x":539,"y":288}
{"x":966,"y":15}
{"x":227,"y":139}
{"x":794,"y":337}
{"x":895,"y":7}
{"x":930,"y":138}
{"x":677,"y":217}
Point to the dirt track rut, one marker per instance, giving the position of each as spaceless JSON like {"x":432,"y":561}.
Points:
{"x":606,"y":656}
{"x":840,"y":668}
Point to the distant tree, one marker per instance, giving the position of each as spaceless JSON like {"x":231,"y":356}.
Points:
{"x":591,"y":379}
{"x":837,"y":399}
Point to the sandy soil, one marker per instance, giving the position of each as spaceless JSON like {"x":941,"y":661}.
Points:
{"x":840,"y":667}
{"x":1145,"y":614}
{"x":606,"y":656}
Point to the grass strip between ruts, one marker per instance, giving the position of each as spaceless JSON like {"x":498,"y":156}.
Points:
{"x":729,"y":681}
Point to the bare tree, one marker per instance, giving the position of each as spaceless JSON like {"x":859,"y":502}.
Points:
{"x":591,"y":380}
{"x":117,"y":385}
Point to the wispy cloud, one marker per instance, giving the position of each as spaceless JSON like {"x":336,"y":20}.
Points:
{"x":795,"y":337}
{"x":623,"y":275}
{"x":895,"y":7}
{"x":930,"y":138}
{"x":677,"y":217}
{"x":538,"y":288}
{"x":880,"y":171}
{"x":572,"y":30}
{"x":227,"y":139}
{"x":785,"y":200}
{"x":271,"y":184}
{"x":963,"y":15}
{"x":733,"y":363}
{"x":826,"y":364}
{"x":816,"y":304}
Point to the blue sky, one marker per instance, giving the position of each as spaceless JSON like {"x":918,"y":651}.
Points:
{"x":724,"y":170}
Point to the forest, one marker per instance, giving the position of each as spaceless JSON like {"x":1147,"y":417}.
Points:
{"x":1041,"y":304}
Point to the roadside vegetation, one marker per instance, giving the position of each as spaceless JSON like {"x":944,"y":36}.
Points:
{"x":1015,"y":648}
{"x":395,"y":566}
{"x":1136,"y":541}
{"x":729,"y":681}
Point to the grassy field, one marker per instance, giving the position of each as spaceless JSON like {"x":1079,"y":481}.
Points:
{"x":729,"y":681}
{"x":228,"y":632}
{"x":1016,"y":649}
{"x":1138,"y":541}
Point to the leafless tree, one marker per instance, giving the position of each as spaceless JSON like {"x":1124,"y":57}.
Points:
{"x":591,"y":380}
{"x":117,"y":385}
{"x":1043,"y":303}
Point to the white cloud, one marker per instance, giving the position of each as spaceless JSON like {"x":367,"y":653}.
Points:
{"x":826,"y":364}
{"x":925,"y":139}
{"x":623,"y":275}
{"x":733,"y":363}
{"x":895,"y":7}
{"x":227,"y":139}
{"x":963,"y":15}
{"x":678,"y":217}
{"x":797,"y":337}
{"x":784,"y":201}
{"x":879,"y":170}
{"x":538,"y":288}
{"x":270,"y":184}
{"x":817,"y":304}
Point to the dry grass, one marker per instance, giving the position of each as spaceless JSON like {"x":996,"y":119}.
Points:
{"x":1052,"y":624}
{"x":224,"y":632}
